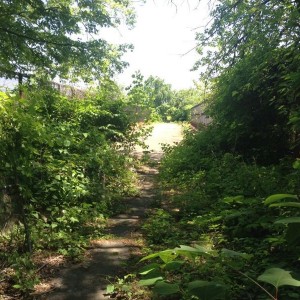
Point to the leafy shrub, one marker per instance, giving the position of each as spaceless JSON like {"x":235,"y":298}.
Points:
{"x":159,"y":227}
{"x":202,"y":273}
{"x":217,"y":198}
{"x":62,"y":169}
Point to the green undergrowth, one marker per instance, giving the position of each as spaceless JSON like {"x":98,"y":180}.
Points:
{"x":65,"y":167}
{"x":218,"y":233}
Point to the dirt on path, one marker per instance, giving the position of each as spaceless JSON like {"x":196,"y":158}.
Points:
{"x":162,"y":134}
{"x":107,"y":258}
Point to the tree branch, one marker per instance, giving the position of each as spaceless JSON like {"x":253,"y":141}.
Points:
{"x":35,"y":39}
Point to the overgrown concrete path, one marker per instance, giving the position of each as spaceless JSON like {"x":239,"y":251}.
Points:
{"x":107,"y":258}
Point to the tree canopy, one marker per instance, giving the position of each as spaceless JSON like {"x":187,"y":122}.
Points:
{"x":166,"y":104}
{"x":251,"y":53}
{"x":60,"y":37}
{"x":241,"y":28}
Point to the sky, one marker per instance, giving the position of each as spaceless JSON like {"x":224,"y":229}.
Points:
{"x":163,"y":39}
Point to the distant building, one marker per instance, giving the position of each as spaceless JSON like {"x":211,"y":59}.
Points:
{"x":198,"y":117}
{"x":69,"y":91}
{"x":66,"y":90}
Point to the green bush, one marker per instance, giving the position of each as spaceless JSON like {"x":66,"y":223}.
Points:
{"x":62,"y":168}
{"x":217,"y":199}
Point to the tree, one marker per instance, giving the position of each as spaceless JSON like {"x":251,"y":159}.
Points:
{"x":159,"y":91}
{"x":137,"y":94}
{"x":60,"y":37}
{"x":250,"y":52}
{"x":183,"y":101}
{"x":156,"y":95}
{"x":240,"y":28}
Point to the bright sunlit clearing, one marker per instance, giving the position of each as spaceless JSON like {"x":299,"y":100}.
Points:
{"x":164,"y":41}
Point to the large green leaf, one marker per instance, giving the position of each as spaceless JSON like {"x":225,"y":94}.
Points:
{"x":149,"y":268}
{"x":234,"y":254}
{"x":186,"y":248}
{"x":166,"y":256}
{"x":164,"y":288}
{"x":278,"y":277}
{"x":191,"y":252}
{"x":150,"y":281}
{"x":170,"y":254}
{"x":288,"y":220}
{"x":277,"y":197}
{"x":206,"y":250}
{"x":206,"y":290}
{"x":174,"y":265}
{"x":286,"y":204}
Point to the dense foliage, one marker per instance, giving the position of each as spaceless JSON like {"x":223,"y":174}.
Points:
{"x":250,"y":51}
{"x":215,"y":202}
{"x":232,"y":190}
{"x":62,"y":171}
{"x":161,"y":102}
{"x":64,"y":162}
{"x":60,"y":37}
